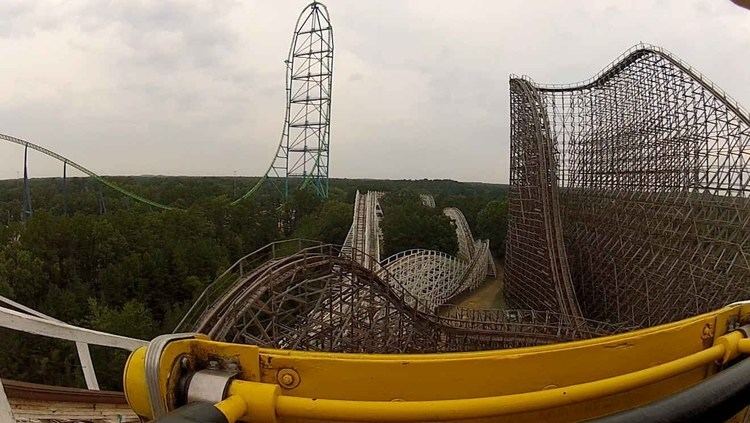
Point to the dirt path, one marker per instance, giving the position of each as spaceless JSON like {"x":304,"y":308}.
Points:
{"x":488,"y":295}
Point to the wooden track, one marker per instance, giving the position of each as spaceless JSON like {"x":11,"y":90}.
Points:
{"x":31,"y":402}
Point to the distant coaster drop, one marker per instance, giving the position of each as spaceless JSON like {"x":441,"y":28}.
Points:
{"x":301,"y":160}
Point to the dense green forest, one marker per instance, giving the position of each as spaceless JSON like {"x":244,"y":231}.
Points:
{"x":92,"y":257}
{"x":408,"y":224}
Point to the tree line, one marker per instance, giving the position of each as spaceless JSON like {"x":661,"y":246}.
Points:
{"x":134,"y":270}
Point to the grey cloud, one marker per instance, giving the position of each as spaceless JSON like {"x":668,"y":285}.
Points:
{"x":420,"y":87}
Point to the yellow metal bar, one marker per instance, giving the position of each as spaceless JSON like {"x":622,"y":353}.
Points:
{"x":556,"y":383}
{"x":456,"y":409}
{"x":134,"y":382}
{"x":233,"y":408}
{"x":743,"y":346}
{"x":260,"y":400}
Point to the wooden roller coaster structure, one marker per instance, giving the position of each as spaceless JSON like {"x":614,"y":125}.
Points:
{"x":629,"y":207}
{"x":629,"y":194}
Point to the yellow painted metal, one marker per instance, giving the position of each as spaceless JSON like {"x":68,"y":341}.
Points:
{"x":468,"y":408}
{"x":744,"y":346}
{"x":556,"y":383}
{"x":260,"y":398}
{"x":134,"y":382}
{"x":233,"y":408}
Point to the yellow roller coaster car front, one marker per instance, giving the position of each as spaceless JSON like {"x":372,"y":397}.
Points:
{"x":657,"y":371}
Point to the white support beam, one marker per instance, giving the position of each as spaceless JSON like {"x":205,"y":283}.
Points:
{"x":84,"y":356}
{"x":6,"y":414}
{"x":12,"y":319}
{"x":87,"y":366}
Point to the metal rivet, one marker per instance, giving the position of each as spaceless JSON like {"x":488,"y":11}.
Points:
{"x":288,"y":378}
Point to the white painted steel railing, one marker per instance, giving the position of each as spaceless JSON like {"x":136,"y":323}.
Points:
{"x":20,"y":318}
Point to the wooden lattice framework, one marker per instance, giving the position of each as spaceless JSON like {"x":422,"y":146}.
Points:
{"x":630,"y":194}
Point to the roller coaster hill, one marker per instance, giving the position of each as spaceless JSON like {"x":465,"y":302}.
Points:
{"x":627,"y":266}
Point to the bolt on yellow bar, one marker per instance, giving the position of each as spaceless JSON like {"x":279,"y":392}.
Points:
{"x":456,"y":409}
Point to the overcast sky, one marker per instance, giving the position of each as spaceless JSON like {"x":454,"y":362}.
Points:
{"x":420,"y":87}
